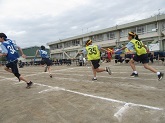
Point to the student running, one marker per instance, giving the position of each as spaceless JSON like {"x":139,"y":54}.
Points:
{"x":140,"y":56}
{"x":93,"y":55}
{"x":9,"y":50}
{"x":45,"y":59}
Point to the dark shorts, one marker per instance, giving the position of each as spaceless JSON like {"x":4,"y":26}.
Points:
{"x":142,"y":58}
{"x":13,"y":66}
{"x":129,"y":56}
{"x":95,"y":63}
{"x":46,"y":61}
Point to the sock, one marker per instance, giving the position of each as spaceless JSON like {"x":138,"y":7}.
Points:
{"x":135,"y":72}
{"x":158,"y":73}
{"x":94,"y":77}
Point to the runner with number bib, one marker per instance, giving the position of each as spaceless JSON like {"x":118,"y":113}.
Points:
{"x":140,"y":56}
{"x":93,"y":55}
{"x":9,"y":50}
{"x":45,"y":59}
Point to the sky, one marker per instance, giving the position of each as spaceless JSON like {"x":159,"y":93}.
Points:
{"x":37,"y":22}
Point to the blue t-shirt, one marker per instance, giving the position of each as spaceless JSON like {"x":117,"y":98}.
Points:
{"x":43,"y":54}
{"x":130,"y":46}
{"x":9,"y":48}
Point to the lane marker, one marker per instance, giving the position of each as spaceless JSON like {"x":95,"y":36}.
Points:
{"x":123,"y":84}
{"x":4,"y":78}
{"x":119,"y":113}
{"x":111,"y":77}
{"x":89,"y":95}
{"x":99,"y":97}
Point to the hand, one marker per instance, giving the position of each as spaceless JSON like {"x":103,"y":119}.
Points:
{"x":24,"y":56}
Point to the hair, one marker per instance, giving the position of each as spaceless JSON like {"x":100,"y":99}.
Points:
{"x":42,"y":47}
{"x":137,"y":37}
{"x":88,"y":42}
{"x":2,"y":35}
{"x":134,"y":35}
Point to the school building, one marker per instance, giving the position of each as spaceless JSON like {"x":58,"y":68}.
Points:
{"x":151,"y":31}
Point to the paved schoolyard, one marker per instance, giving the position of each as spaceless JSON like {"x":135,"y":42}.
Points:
{"x":71,"y":97}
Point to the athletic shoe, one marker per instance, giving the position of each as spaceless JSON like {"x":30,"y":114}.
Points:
{"x":50,"y":76}
{"x":160,"y":76}
{"x":108,"y":70}
{"x":134,"y":75}
{"x":29,"y":85}
{"x":46,"y":69}
{"x":94,"y":79}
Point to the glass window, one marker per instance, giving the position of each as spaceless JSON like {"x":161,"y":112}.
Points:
{"x":163,"y":25}
{"x":111,"y":35}
{"x":124,"y":33}
{"x":99,"y":37}
{"x":151,"y":27}
{"x":75,"y":42}
{"x":68,"y":44}
{"x":141,"y":29}
{"x":133,"y":29}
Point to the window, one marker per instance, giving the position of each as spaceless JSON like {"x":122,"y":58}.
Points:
{"x":68,"y":44}
{"x":163,"y":25}
{"x":75,"y":42}
{"x":151,"y":27}
{"x":111,"y":35}
{"x":133,"y":29}
{"x":99,"y":37}
{"x":141,"y":29}
{"x":123,"y":33}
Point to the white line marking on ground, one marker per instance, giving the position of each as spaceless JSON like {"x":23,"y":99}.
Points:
{"x":120,"y":112}
{"x":124,"y":84}
{"x":99,"y":97}
{"x":15,"y":79}
{"x":89,"y":95}
{"x":111,"y":77}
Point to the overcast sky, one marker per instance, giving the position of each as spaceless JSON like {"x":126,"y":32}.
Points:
{"x":36,"y":22}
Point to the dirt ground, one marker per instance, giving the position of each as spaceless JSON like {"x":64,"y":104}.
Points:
{"x":71,"y":97}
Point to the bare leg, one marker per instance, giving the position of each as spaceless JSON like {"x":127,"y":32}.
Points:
{"x":150,"y":68}
{"x":100,"y":70}
{"x":132,"y":65}
{"x":94,"y":71}
{"x":23,"y":79}
{"x":49,"y":70}
{"x":8,"y":70}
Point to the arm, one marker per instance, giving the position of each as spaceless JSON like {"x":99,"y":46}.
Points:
{"x":4,"y":51}
{"x":123,"y":48}
{"x":103,"y":49}
{"x":36,"y":53}
{"x":22,"y":54}
{"x":3,"y":54}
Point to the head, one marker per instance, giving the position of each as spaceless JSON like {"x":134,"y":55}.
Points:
{"x":3,"y":37}
{"x":88,"y":42}
{"x":42,"y":47}
{"x":131,"y":35}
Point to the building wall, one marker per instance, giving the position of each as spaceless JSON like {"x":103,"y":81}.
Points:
{"x":150,"y":30}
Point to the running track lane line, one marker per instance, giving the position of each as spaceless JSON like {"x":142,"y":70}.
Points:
{"x":96,"y":97}
{"x":93,"y":96}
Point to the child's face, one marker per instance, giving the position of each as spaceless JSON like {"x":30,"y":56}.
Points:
{"x":1,"y":39}
{"x":129,"y":37}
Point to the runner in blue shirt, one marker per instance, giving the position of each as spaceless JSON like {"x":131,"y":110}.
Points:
{"x":9,"y":50}
{"x":45,"y":59}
